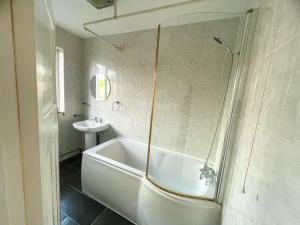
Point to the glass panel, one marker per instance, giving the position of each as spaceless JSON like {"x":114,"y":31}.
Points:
{"x":195,"y":58}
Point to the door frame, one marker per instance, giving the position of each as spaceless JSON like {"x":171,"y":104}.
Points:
{"x":12,"y":207}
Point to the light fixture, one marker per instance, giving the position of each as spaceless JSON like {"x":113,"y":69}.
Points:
{"x":99,"y":4}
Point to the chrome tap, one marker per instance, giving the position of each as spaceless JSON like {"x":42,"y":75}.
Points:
{"x":97,"y":119}
{"x":208,"y":173}
{"x":86,"y":103}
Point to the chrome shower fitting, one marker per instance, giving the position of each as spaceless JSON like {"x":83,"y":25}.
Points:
{"x":221,"y":41}
{"x":208,"y":173}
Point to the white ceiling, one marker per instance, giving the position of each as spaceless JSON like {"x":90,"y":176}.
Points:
{"x":72,"y":14}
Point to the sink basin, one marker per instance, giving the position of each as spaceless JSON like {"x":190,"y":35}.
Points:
{"x":90,"y":126}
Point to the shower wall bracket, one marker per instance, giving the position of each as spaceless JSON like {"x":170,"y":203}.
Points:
{"x":103,"y":38}
{"x":115,"y":17}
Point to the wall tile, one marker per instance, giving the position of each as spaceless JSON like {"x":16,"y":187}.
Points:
{"x":289,"y":121}
{"x":272,"y":187}
{"x":266,"y":28}
{"x":288,"y":26}
{"x":279,"y":80}
{"x":254,"y":89}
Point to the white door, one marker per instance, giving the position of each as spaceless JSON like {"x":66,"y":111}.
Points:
{"x":47,"y":109}
{"x":34,"y":48}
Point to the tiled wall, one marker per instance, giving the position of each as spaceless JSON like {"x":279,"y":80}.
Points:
{"x":192,"y":77}
{"x":69,"y":138}
{"x":269,"y":125}
{"x":130,"y":74}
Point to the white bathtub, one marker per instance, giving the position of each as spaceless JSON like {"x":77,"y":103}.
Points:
{"x":114,"y":174}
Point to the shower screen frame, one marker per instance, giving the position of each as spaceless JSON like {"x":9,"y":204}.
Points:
{"x":242,"y":39}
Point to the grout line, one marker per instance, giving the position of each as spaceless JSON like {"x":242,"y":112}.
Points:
{"x":63,"y":180}
{"x":100,"y":214}
{"x":67,"y":216}
{"x":81,"y":192}
{"x":68,"y":176}
{"x":74,"y":188}
{"x":70,"y":154}
{"x":68,"y":164}
{"x":73,"y":220}
{"x":84,"y":195}
{"x":61,"y":222}
{"x":105,"y":209}
{"x":73,"y":167}
{"x":279,"y":47}
{"x":286,"y":42}
{"x":88,"y":197}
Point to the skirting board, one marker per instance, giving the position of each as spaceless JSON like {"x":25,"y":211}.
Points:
{"x":69,"y":154}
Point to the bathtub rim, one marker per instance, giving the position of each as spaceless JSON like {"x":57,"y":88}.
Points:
{"x":92,"y":153}
{"x":116,"y":139}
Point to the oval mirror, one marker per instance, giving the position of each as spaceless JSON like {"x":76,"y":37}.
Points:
{"x":100,"y":87}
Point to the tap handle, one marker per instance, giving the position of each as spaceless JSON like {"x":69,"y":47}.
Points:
{"x":97,"y":119}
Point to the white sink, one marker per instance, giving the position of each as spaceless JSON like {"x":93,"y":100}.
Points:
{"x":90,"y":126}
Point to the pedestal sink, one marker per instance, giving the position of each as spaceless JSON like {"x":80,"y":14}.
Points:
{"x":90,"y":128}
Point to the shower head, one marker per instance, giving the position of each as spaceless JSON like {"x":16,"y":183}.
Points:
{"x":221,"y":41}
{"x":218,"y":39}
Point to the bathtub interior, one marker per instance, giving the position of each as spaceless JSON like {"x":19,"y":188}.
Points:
{"x":126,"y":152}
{"x":176,"y":170}
{"x":179,"y":172}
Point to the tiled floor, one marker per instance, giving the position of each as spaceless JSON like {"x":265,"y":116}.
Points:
{"x":76,"y":207}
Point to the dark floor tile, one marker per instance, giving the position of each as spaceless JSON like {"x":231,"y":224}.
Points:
{"x":62,"y":216}
{"x":109,"y":217}
{"x":74,"y":180}
{"x":76,"y":164}
{"x":68,"y":221}
{"x":72,"y":159}
{"x":66,"y":171}
{"x":78,"y":206}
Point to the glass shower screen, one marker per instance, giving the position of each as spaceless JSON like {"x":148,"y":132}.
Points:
{"x":195,"y":57}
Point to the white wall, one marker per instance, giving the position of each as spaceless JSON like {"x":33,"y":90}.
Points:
{"x":69,"y":138}
{"x":269,"y":125}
